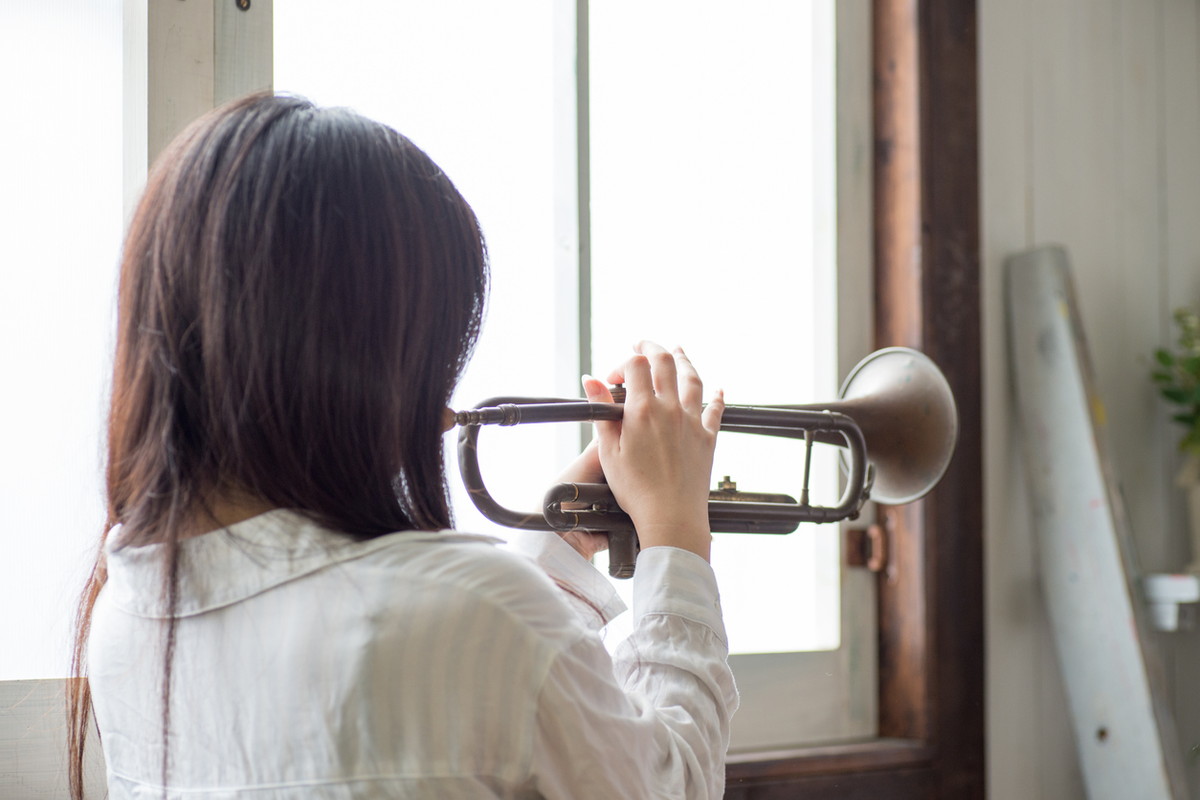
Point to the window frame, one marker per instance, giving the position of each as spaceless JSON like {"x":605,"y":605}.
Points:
{"x":926,"y":295}
{"x":827,"y":693}
{"x":930,"y":598}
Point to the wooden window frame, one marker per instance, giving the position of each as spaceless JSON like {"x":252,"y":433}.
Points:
{"x":926,"y":279}
{"x":930,"y":596}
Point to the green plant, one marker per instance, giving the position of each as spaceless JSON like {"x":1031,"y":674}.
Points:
{"x":1178,"y":377}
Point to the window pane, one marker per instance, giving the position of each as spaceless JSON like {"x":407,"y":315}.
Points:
{"x":60,"y":166}
{"x":711,"y":162}
{"x":472,"y":83}
{"x":662,"y":109}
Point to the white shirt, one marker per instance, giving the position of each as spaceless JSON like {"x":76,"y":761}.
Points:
{"x":412,"y":665}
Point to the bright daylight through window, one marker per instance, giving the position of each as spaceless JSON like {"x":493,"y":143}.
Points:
{"x":712,"y":225}
{"x":60,"y":166}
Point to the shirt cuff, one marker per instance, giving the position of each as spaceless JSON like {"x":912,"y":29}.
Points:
{"x":670,"y":580}
{"x":565,"y":565}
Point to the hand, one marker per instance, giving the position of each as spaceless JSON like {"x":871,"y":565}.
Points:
{"x":658,"y":458}
{"x":586,"y":469}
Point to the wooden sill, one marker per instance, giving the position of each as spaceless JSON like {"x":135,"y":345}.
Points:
{"x":747,"y":769}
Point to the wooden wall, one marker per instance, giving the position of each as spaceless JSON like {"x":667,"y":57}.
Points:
{"x":1090,"y":137}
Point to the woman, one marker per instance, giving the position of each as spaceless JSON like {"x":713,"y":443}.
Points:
{"x":278,"y":610}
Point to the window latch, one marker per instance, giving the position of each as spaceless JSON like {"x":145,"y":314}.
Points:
{"x":867,"y":547}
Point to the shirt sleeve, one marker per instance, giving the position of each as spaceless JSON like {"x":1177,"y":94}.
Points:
{"x":590,"y":595}
{"x":654,"y":720}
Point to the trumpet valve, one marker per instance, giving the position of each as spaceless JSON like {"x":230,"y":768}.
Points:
{"x":727,"y":490}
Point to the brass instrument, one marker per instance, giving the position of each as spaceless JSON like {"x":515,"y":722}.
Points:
{"x":896,"y":420}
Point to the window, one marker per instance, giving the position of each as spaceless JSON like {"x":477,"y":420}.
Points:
{"x":929,"y":686}
{"x":926,"y":255}
{"x":712,"y":213}
{"x":715,"y":206}
{"x":61,"y":206}
{"x":709,"y":219}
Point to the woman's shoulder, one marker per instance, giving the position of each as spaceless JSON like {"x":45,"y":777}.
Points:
{"x":284,"y":551}
{"x":471,"y":570}
{"x":477,"y":565}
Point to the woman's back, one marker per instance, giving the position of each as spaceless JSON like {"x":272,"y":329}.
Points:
{"x":411,"y":665}
{"x":300,"y":291}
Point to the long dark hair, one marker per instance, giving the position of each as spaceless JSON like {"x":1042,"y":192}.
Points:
{"x":300,"y":290}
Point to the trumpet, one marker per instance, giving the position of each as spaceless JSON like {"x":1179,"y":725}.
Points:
{"x":895,"y":421}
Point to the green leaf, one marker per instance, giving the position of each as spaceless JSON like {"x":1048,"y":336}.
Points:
{"x":1162,"y":377}
{"x":1191,"y":365}
{"x":1164,"y":357}
{"x":1186,"y":419}
{"x":1177,"y":395}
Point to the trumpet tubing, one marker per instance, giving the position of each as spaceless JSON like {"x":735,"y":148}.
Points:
{"x":896,"y":422}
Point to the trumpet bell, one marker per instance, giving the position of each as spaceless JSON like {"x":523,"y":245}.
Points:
{"x":906,"y":410}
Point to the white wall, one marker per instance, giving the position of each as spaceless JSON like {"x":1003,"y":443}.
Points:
{"x":1090,"y":137}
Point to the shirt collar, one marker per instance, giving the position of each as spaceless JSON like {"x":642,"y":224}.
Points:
{"x":231,"y":564}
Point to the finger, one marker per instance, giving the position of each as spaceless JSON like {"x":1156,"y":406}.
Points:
{"x":617,"y":375}
{"x":662,"y":365}
{"x":597,"y":392}
{"x":691,"y":388}
{"x":599,"y":542}
{"x":585,"y":543}
{"x":711,"y":416}
{"x":638,"y":381}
